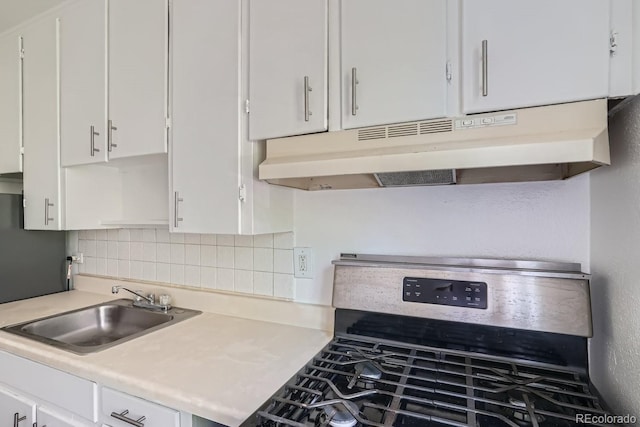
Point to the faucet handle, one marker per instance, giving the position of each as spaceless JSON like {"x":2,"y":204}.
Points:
{"x":152,"y":298}
{"x":164,"y":300}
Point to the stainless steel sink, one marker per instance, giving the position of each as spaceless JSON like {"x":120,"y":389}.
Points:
{"x":95,"y":328}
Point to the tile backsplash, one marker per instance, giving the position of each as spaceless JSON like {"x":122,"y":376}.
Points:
{"x":261,"y":264}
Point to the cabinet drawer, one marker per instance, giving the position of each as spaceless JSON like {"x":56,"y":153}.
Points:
{"x":67,"y":391}
{"x":114,"y":402}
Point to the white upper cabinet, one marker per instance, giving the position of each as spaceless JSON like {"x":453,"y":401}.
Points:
{"x":10,"y":104}
{"x":82,"y":83}
{"x":212,"y":162}
{"x":518,"y":54}
{"x":205,"y":165}
{"x":126,"y":114}
{"x":393,"y":61}
{"x":42,"y":176}
{"x":288,"y":67}
{"x":138,"y":55}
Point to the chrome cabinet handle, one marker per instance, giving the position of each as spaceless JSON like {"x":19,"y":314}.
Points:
{"x":307,"y":89}
{"x":354,"y":91}
{"x":47,"y":205}
{"x":17,"y":418}
{"x":176,"y":202}
{"x":485,"y":68}
{"x":110,"y":129}
{"x":122,"y":417}
{"x":94,"y":150}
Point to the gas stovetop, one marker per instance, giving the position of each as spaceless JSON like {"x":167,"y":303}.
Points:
{"x":362,"y":381}
{"x":430,"y":342}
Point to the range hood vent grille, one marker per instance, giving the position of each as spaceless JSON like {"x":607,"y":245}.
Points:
{"x":405,"y":129}
{"x":407,"y":179}
{"x":409,"y":129}
{"x":436,"y":126}
{"x":372,"y":133}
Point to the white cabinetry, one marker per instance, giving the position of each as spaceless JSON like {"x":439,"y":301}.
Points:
{"x":51,"y":418}
{"x":44,"y":395}
{"x":82,"y":83}
{"x":16,"y":410}
{"x":71,"y":393}
{"x":288,"y":67}
{"x":114,"y":57}
{"x":10,"y":104}
{"x":138,"y":51}
{"x":212,"y":162}
{"x":54,"y":398}
{"x":393,"y":61}
{"x":119,"y":409}
{"x":518,"y":54}
{"x":124,"y":115}
{"x":42,"y":175}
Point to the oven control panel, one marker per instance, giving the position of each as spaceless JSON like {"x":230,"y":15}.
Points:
{"x":445,"y":292}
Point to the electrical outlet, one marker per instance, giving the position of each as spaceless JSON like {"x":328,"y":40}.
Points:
{"x":303,"y":262}
{"x":78,"y":258}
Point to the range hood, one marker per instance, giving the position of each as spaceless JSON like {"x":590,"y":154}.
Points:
{"x":531,"y":144}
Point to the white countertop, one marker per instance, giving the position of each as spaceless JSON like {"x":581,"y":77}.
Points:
{"x":218,"y":367}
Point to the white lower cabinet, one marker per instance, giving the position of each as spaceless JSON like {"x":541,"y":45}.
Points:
{"x":123,"y":410}
{"x":16,"y":410}
{"x":44,"y":384}
{"x":46,"y":417}
{"x":36,"y":395}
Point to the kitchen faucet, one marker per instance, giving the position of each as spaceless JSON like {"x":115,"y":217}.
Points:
{"x":148,"y":301}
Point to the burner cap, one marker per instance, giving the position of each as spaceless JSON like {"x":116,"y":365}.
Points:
{"x":341,"y":417}
{"x":521,"y":415}
{"x":368,"y":371}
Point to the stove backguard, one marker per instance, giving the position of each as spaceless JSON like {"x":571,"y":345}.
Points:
{"x":503,"y":295}
{"x":544,"y":347}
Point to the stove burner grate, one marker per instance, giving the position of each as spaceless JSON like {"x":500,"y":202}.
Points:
{"x":359,"y":381}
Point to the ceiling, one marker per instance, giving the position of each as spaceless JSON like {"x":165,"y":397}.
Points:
{"x":13,"y":12}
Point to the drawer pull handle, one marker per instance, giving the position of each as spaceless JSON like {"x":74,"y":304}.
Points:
{"x":17,"y":418}
{"x":307,"y":89}
{"x":485,"y":67}
{"x":354,"y":91}
{"x":122,"y":417}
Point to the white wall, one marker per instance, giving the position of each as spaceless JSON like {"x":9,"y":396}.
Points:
{"x":543,"y":220}
{"x":615,"y":261}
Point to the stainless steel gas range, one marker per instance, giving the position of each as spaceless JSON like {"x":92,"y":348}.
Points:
{"x":455,"y":342}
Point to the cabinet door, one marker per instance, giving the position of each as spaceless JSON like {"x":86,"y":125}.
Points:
{"x":393,"y":61}
{"x":536,"y":52}
{"x":83,"y":83}
{"x":41,"y":144}
{"x":287,"y":67}
{"x":15,"y":410}
{"x":10,"y":104}
{"x":205,"y":156}
{"x":138,"y":49}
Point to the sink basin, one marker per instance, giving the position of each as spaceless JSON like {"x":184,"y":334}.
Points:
{"x":95,"y":328}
